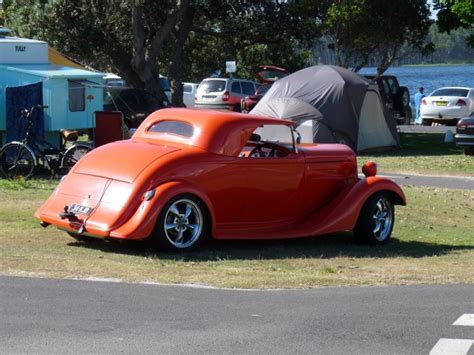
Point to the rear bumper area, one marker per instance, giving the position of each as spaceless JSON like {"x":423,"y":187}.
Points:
{"x":466,"y":140}
{"x":79,"y":226}
{"x":224,"y":107}
{"x":86,"y":204}
{"x":447,"y":114}
{"x":104,"y":209}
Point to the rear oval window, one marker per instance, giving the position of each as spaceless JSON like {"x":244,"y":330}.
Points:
{"x":178,"y":128}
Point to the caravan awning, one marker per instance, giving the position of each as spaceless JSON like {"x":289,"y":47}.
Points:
{"x":59,"y":59}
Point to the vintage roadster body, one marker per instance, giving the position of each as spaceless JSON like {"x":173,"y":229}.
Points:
{"x":189,"y":174}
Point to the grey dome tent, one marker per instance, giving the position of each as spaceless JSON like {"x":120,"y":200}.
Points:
{"x":332,"y":105}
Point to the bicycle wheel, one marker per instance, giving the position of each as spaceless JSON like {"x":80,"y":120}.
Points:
{"x":72,"y":156}
{"x":17,"y":161}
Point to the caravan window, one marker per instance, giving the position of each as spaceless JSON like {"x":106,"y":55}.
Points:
{"x":77,"y":96}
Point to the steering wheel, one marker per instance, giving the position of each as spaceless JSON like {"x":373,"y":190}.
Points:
{"x":268,"y":150}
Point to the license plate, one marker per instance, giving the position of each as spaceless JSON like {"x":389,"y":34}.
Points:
{"x":74,"y":208}
{"x":441,"y":103}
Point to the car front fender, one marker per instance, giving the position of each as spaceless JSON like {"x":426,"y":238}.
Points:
{"x":342,"y":213}
{"x":142,"y":223}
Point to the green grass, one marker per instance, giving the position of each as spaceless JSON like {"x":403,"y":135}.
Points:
{"x":423,"y":154}
{"x":433,"y":243}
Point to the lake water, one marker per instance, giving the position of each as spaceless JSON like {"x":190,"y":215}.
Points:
{"x":430,"y":77}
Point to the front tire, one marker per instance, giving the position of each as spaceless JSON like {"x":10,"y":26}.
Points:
{"x":376,"y":220}
{"x":469,"y":151}
{"x":182,"y":225}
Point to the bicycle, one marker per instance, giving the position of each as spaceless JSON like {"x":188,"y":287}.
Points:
{"x":19,"y":159}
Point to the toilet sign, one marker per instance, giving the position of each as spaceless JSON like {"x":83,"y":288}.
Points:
{"x":230,"y":67}
{"x":15,"y":50}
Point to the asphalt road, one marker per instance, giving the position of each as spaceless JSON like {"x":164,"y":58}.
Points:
{"x":449,"y":182}
{"x":425,"y":129}
{"x":67,"y":316}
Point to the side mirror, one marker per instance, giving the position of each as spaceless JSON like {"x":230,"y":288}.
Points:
{"x":255,"y":137}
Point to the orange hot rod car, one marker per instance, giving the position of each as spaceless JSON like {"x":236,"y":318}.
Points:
{"x":187,"y":175}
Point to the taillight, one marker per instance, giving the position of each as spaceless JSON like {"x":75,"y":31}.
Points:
{"x":423,"y":102}
{"x":461,"y":103}
{"x":225,"y":96}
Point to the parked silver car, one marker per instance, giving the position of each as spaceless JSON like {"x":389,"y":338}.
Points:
{"x":223,"y":93}
{"x":189,"y":92}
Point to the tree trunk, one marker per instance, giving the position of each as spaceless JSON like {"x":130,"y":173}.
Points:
{"x":144,"y":61}
{"x":174,"y":74}
{"x":388,"y":56}
{"x":147,"y":71}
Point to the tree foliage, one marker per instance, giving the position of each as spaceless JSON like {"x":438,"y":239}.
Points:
{"x":124,"y":36}
{"x":454,"y":14}
{"x":359,"y":29}
{"x":189,"y":39}
{"x":450,"y":47}
{"x":139,"y":39}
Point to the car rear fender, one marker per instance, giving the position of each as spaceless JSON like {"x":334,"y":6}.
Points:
{"x":142,"y":223}
{"x":342,"y":213}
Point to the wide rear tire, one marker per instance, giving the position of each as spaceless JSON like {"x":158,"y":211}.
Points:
{"x":376,"y":220}
{"x":183,"y":224}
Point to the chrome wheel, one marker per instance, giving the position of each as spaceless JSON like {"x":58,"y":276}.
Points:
{"x":382,"y":219}
{"x":183,"y":223}
{"x":376,"y":219}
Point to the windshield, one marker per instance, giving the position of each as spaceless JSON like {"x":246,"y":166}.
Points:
{"x":275,"y":134}
{"x":214,"y":85}
{"x":450,"y":92}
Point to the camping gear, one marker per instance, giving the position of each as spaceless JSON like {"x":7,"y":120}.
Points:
{"x":71,"y":94}
{"x":18,"y":99}
{"x":332,"y":105}
{"x":108,"y":127}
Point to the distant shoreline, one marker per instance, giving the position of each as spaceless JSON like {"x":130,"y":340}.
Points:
{"x":436,"y":65}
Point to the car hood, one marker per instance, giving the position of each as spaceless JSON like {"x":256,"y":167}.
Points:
{"x":326,"y":153}
{"x":123,"y":160}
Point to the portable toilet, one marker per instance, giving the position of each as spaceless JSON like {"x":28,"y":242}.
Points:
{"x":72,"y":95}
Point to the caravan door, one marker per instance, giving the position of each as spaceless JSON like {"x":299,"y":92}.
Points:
{"x":84,"y":99}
